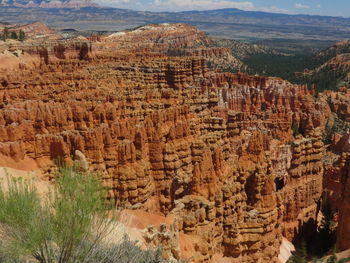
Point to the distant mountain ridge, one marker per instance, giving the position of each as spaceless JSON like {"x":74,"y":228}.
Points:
{"x":48,"y":3}
{"x":230,"y":15}
{"x":223,"y":23}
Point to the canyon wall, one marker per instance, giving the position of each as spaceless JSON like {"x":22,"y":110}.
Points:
{"x":237,"y":160}
{"x":343,"y":239}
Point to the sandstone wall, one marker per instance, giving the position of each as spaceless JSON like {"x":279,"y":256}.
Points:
{"x":168,"y":136}
{"x":343,"y":238}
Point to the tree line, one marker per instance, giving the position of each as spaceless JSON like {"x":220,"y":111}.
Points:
{"x":10,"y":34}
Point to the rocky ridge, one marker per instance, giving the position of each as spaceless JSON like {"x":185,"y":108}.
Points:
{"x":332,"y":70}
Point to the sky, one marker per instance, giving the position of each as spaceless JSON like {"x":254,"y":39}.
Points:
{"x":314,"y":7}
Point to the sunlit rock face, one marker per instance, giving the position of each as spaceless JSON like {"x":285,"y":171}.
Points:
{"x":215,"y":151}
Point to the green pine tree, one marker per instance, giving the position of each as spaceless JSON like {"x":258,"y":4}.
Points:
{"x":13,"y":35}
{"x":300,"y":256}
{"x":5,"y":34}
{"x":21,"y":36}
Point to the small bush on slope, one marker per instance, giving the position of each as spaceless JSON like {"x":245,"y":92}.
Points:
{"x":71,"y":226}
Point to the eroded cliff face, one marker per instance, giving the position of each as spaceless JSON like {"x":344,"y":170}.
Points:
{"x":215,"y":151}
{"x":343,"y":239}
{"x":304,"y":176}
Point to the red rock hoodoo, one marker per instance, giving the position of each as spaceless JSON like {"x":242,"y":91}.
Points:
{"x":216,"y":151}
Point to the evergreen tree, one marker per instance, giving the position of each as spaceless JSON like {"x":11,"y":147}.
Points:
{"x":300,"y":256}
{"x":5,"y":34}
{"x":14,"y":35}
{"x":21,"y":35}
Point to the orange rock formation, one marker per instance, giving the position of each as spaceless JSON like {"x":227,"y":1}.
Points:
{"x":213,"y":150}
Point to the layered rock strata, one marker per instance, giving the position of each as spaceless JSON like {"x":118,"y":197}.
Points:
{"x":214,"y":150}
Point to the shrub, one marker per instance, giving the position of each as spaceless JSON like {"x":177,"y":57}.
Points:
{"x":73,"y":225}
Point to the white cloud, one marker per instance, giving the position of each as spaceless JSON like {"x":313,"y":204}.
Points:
{"x":301,"y":6}
{"x":273,"y":9}
{"x":318,"y":6}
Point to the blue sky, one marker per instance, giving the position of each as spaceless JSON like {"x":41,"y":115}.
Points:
{"x":315,"y":7}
